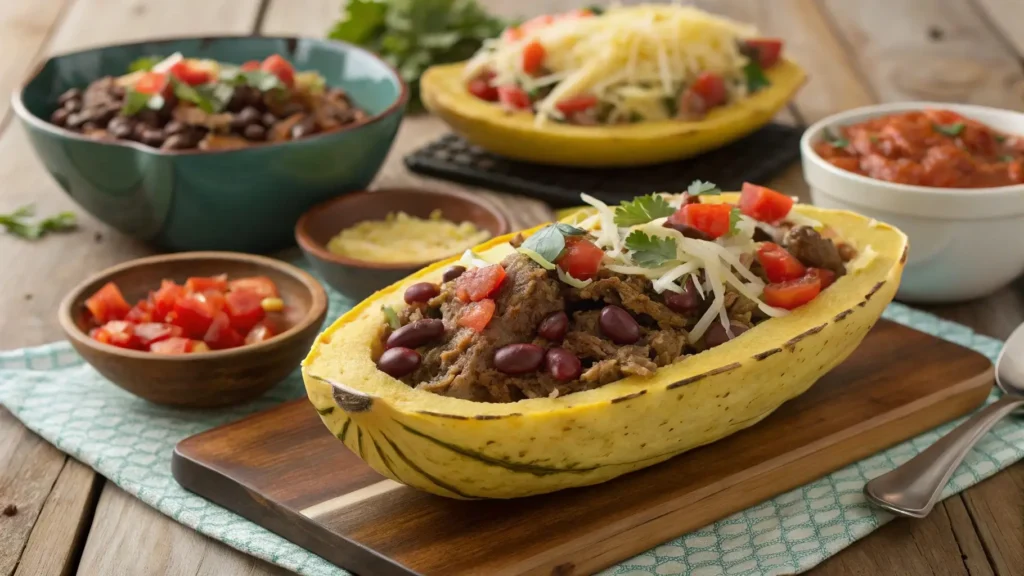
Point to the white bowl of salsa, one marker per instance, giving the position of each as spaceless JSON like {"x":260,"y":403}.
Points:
{"x":951,"y":176}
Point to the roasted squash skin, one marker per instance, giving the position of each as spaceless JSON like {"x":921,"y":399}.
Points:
{"x":462,"y":449}
{"x":514,"y":134}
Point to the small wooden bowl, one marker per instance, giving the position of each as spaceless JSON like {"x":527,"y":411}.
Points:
{"x":205,"y":379}
{"x":357,"y":279}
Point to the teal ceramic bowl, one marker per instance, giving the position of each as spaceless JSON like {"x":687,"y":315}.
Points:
{"x":244,"y":200}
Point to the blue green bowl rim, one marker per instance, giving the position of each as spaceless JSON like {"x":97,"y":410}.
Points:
{"x":19,"y":106}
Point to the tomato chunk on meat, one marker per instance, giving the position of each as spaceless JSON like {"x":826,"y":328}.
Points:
{"x":244,"y":309}
{"x":482,"y":88}
{"x":478,"y":283}
{"x":710,"y":87}
{"x":792,"y":293}
{"x":826,"y":276}
{"x":575,"y":104}
{"x":764,"y":204}
{"x":533,"y":57}
{"x":768,"y":50}
{"x":261,"y":285}
{"x":108,"y":304}
{"x":152,"y":83}
{"x":711,"y":219}
{"x":513,"y":97}
{"x":189,"y":74}
{"x":477,"y":315}
{"x":581,"y":258}
{"x":779,"y":265}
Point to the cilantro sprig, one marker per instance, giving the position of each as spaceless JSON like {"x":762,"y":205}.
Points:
{"x":734,"y":219}
{"x":700,"y":188}
{"x":18,"y":223}
{"x":834,"y":140}
{"x":756,"y":78}
{"x":650,"y":251}
{"x":642,"y":210}
{"x":951,"y":130}
{"x":549,"y":242}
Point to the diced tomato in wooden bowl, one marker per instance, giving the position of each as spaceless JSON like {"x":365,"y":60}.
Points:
{"x":199,"y":329}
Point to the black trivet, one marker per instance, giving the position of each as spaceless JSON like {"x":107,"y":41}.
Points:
{"x":755,"y":158}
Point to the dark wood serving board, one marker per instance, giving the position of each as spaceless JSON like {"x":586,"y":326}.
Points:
{"x":283,"y":469}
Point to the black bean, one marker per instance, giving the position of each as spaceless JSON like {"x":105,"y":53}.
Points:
{"x":685,"y":302}
{"x":398,"y":362}
{"x":72,"y":105}
{"x":149,"y":117}
{"x":181,"y":141}
{"x":255,"y":132}
{"x":121,"y":127}
{"x":554,"y":326}
{"x":416,"y":334}
{"x":174,"y":127}
{"x":268,"y":119}
{"x":250,"y":115}
{"x":563,"y":365}
{"x":76,"y":120}
{"x":518,"y":358}
{"x":304,"y":128}
{"x":421,"y":292}
{"x":90,"y":126}
{"x":59,"y":117}
{"x":687,"y":231}
{"x":244,"y":96}
{"x":152,"y":137}
{"x":618,"y":325}
{"x":72,"y":94}
{"x":452,"y":273}
{"x":716,"y":333}
{"x":105,"y":115}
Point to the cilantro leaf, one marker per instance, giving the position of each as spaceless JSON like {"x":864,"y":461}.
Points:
{"x":951,"y":130}
{"x":16,"y":223}
{"x":642,"y":210}
{"x":144,"y":64}
{"x":756,"y":79}
{"x":650,"y":251}
{"x":548,"y":243}
{"x":697,"y":188}
{"x":190,"y":94}
{"x":734,"y":219}
{"x":569,"y":230}
{"x":837,"y":141}
{"x":134,"y":102}
{"x":392,"y":317}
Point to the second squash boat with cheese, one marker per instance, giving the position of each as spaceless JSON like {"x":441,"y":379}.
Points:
{"x":629,"y":86}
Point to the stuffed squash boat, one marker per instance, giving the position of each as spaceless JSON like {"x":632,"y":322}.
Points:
{"x":627,"y":86}
{"x":572,"y":353}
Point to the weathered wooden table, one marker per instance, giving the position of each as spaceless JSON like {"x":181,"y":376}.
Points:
{"x":71,"y":520}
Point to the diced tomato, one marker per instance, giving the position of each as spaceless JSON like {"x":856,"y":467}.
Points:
{"x":244,"y":309}
{"x":581,"y":258}
{"x":711,"y":219}
{"x":150,"y":332}
{"x":710,"y":87}
{"x":261,"y":285}
{"x":259,"y":333}
{"x":768,"y":50}
{"x":193,"y":313}
{"x":189,"y":74}
{"x":215,"y":298}
{"x":204,"y":283}
{"x":826,"y":276}
{"x":477,"y":315}
{"x":175,"y":345}
{"x":250,"y":66}
{"x":220,"y":335}
{"x":792,"y":293}
{"x":281,"y":68}
{"x":764,"y":204}
{"x":478,"y":283}
{"x":164,"y":299}
{"x":152,"y":83}
{"x":107,"y":304}
{"x":580,"y":103}
{"x":117,"y":333}
{"x":533,"y":57}
{"x":779,"y":265}
{"x":513,"y":97}
{"x":141,"y":312}
{"x":481,"y":88}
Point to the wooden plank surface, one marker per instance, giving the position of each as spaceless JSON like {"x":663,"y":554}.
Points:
{"x":846,"y":48}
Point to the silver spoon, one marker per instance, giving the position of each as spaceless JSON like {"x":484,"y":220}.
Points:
{"x":913,"y":488}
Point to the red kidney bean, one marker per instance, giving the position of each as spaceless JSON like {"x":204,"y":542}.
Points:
{"x":563,"y":365}
{"x":554,"y":326}
{"x":618,"y":325}
{"x":398,"y":362}
{"x":421,"y":292}
{"x":518,"y":358}
{"x":686,"y":230}
{"x":685,"y":302}
{"x":716,"y":333}
{"x":452,"y":273}
{"x":416,"y":334}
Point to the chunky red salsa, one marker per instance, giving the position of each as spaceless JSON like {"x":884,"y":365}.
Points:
{"x":938,"y":148}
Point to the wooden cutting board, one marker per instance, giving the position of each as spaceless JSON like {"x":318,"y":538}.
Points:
{"x":283,"y":469}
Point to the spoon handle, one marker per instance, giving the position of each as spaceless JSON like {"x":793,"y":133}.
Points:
{"x":913,"y":488}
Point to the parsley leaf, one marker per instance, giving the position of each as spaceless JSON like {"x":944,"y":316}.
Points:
{"x":392,"y":317}
{"x":569,"y":230}
{"x":650,"y":251}
{"x":642,"y":210}
{"x":16,"y":223}
{"x":951,"y":130}
{"x":837,"y":141}
{"x":755,"y":77}
{"x":697,"y":188}
{"x":144,"y":64}
{"x":548,"y":243}
{"x":734,"y":219}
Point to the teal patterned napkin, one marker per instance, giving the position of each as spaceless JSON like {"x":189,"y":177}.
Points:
{"x":130,"y":441}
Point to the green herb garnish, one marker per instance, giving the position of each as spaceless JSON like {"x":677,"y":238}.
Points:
{"x":569,"y":229}
{"x":999,"y":138}
{"x":392,"y":317}
{"x":413,"y":35}
{"x":755,"y":76}
{"x":650,"y":251}
{"x":134,"y":102}
{"x":1006,"y":158}
{"x":642,"y":210}
{"x":17,"y":223}
{"x":698,"y":188}
{"x":951,"y":130}
{"x":144,"y":64}
{"x":595,"y":9}
{"x":548,"y":243}
{"x":837,"y":141}
{"x":734,"y":219}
